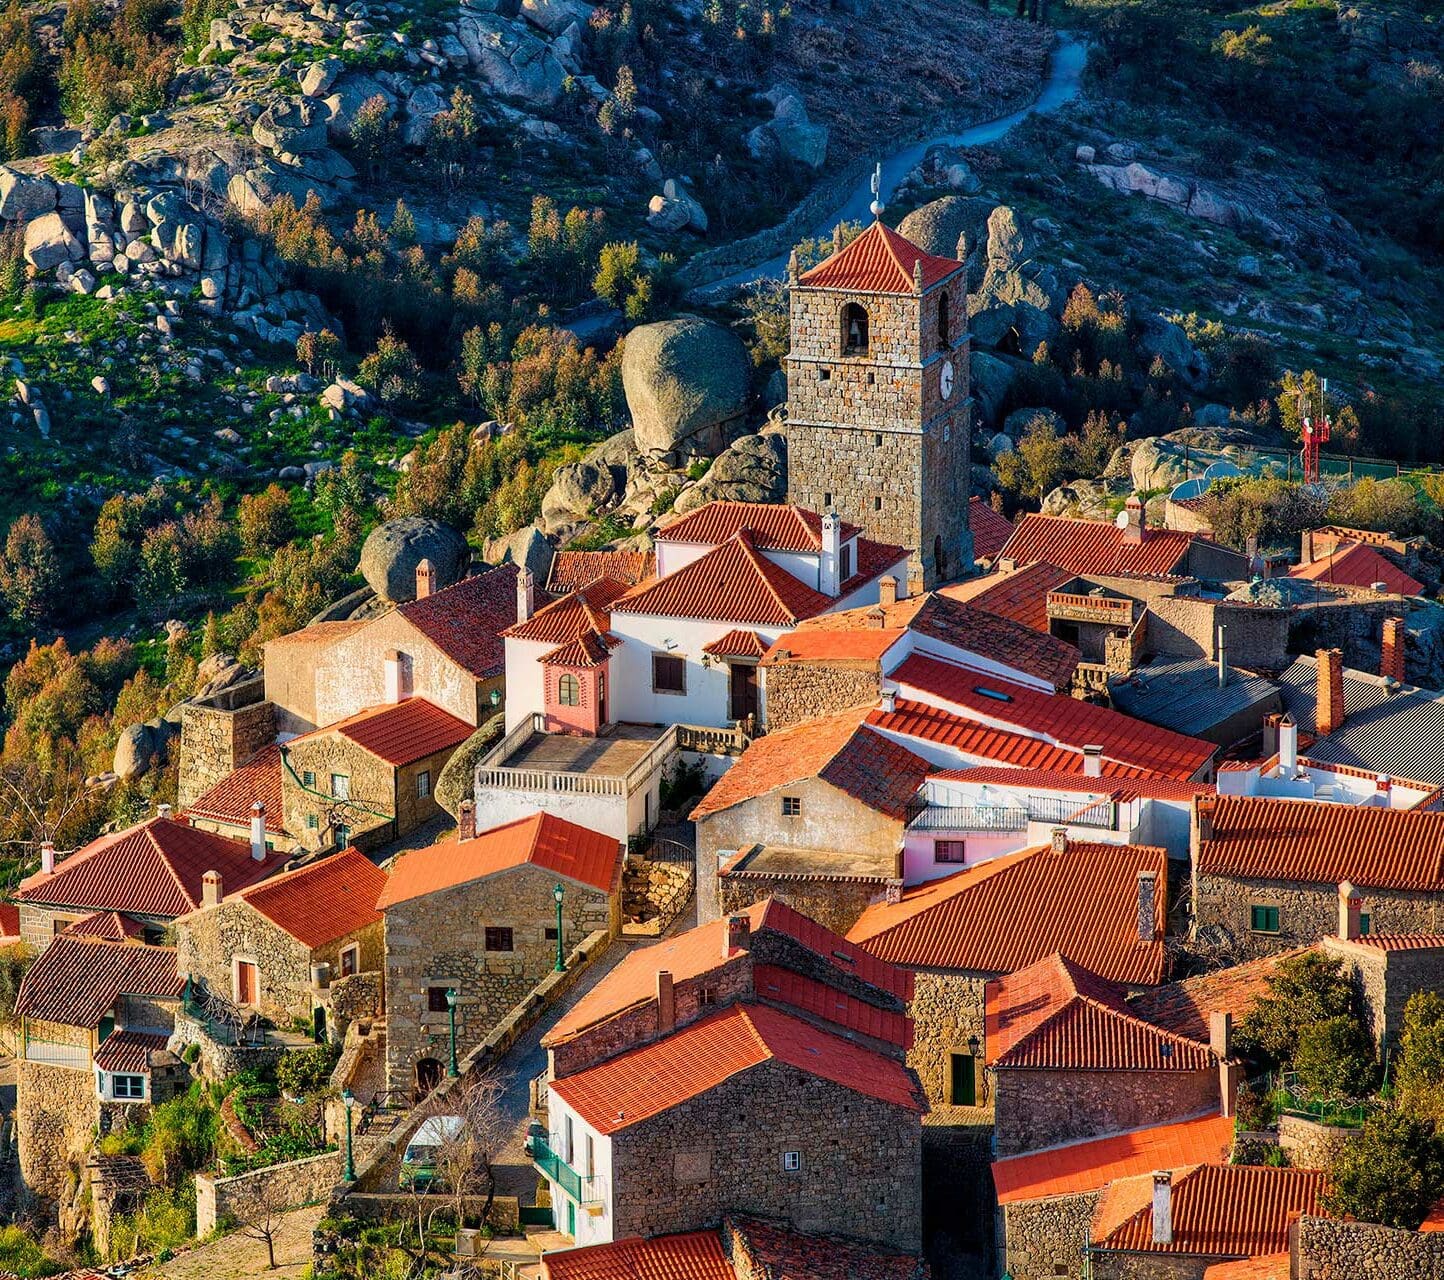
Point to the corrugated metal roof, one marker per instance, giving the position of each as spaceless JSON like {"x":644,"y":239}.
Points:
{"x":692,"y":1255}
{"x":1185,"y":695}
{"x":879,"y":261}
{"x":76,"y":981}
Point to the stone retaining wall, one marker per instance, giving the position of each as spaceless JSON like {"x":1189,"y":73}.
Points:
{"x":377,"y":1206}
{"x":1329,"y":1250}
{"x":217,"y":1061}
{"x":1311,"y":1145}
{"x":288,"y":1185}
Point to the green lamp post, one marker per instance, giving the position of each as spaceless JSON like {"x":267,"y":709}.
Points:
{"x":349,"y":1099}
{"x":557,"y":894}
{"x":451,"y":1071}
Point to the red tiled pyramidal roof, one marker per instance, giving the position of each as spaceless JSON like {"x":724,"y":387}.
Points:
{"x":1096,"y":546}
{"x":879,"y":261}
{"x":153,"y":869}
{"x":1056,"y":1015}
{"x":1357,"y":565}
{"x":1017,"y":908}
{"x":399,"y":733}
{"x":590,"y":649}
{"x":76,"y":981}
{"x":542,"y":839}
{"x":322,"y":901}
{"x":774,"y":526}
{"x":738,"y":643}
{"x":257,"y":781}
{"x":466,"y":619}
{"x":649,"y":1080}
{"x":573,"y":569}
{"x":689,"y":1255}
{"x":990,"y":530}
{"x":579,"y":611}
{"x":110,"y":926}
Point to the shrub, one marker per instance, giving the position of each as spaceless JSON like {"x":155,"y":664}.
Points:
{"x":1335,"y":1058}
{"x":266,"y":520}
{"x":30,"y":574}
{"x":1304,"y":990}
{"x":1391,"y":1174}
{"x":306,"y":1071}
{"x":1420,"y":1065}
{"x":21,"y":1255}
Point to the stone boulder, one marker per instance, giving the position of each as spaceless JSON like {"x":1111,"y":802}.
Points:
{"x":513,"y":61}
{"x":140,"y":746}
{"x":1161,"y":462}
{"x":1089,"y":499}
{"x":49,"y":242}
{"x":295,"y":127}
{"x":1017,"y":422}
{"x":457,"y":780}
{"x":316,"y":80}
{"x":579,"y":491}
{"x":394,"y":548}
{"x":1164,"y":340}
{"x":1012,"y":275}
{"x":422,"y":107}
{"x":753,"y":469}
{"x":686,"y":383}
{"x":349,"y":94}
{"x":555,"y":16}
{"x":799,"y":138}
{"x":990,"y":378}
{"x":529,"y":548}
{"x":23,"y":197}
{"x":949,"y":227}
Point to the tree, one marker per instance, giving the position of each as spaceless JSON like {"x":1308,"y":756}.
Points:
{"x":392,"y":371}
{"x":1303,"y":991}
{"x":261,"y":1213}
{"x":1391,"y":1174}
{"x":1334,"y":1058}
{"x":265,"y":520}
{"x":318,"y":350}
{"x":30,"y":572}
{"x":403,"y":226}
{"x":465,"y":1161}
{"x":1039,"y":463}
{"x":1419,"y":1074}
{"x":372,"y":133}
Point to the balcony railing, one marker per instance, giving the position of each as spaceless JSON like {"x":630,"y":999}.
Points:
{"x":1109,"y":610}
{"x":1059,"y":810}
{"x":584,"y":1189}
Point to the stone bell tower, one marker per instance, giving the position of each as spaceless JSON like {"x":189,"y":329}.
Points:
{"x":879,"y":425}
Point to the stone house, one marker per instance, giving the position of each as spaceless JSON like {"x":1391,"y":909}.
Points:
{"x":229,"y":807}
{"x":149,"y":874}
{"x":445,"y":646}
{"x":1387,"y":967}
{"x":1267,"y":870}
{"x":260,"y":947}
{"x":814,"y":814}
{"x":369,"y":778}
{"x":478,"y":915}
{"x":753,"y":1064}
{"x":1101,"y":904}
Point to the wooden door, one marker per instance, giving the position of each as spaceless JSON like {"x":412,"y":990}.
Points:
{"x":964,"y":1091}
{"x":744,"y":701}
{"x":247,"y":982}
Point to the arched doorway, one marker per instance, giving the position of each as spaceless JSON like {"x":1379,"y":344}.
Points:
{"x":428,"y":1076}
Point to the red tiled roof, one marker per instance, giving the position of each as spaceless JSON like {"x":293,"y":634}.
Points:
{"x":839,"y":749}
{"x":76,"y":981}
{"x":1184,"y":1007}
{"x":1088,"y":1166}
{"x":9,"y":920}
{"x":1142,"y":788}
{"x":701,"y":950}
{"x":879,"y":261}
{"x":573,"y":569}
{"x":258,"y":781}
{"x":738,"y":643}
{"x":1357,"y":565}
{"x":399,"y":733}
{"x":990,"y":530}
{"x":153,"y":869}
{"x":576,"y":613}
{"x":129,"y":1051}
{"x":778,"y":1253}
{"x":323,"y":901}
{"x":1401,"y":941}
{"x":109,"y":926}
{"x":1021,"y":595}
{"x":691,"y":1255}
{"x":832,"y":644}
{"x":1009,"y":643}
{"x":774,"y":526}
{"x":772,"y":982}
{"x":1017,"y":908}
{"x":649,"y":1080}
{"x":1069,"y":722}
{"x":1057,"y":1015}
{"x":1316,"y":842}
{"x":1218,"y":1210}
{"x":544,"y":840}
{"x":466,"y":619}
{"x":590,"y":649}
{"x":1270,"y":1266}
{"x":320,"y":632}
{"x":1096,"y":546}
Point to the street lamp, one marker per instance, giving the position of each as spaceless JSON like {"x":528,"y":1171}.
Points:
{"x":349,"y":1099}
{"x":451,"y":1071}
{"x":557,"y":894}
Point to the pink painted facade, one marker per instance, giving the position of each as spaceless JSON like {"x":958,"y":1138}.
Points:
{"x":576,"y":698}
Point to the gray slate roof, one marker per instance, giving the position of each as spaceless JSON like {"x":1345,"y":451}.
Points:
{"x":1184,"y":695}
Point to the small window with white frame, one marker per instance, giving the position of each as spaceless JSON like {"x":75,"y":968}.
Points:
{"x":423,"y":784}
{"x":791,"y":1162}
{"x":129,"y":1088}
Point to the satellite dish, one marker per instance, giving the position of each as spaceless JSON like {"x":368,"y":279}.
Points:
{"x":1187,"y":490}
{"x":1221,"y":470}
{"x":1121,"y":519}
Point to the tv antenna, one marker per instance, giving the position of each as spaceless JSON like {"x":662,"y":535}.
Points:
{"x":1316,"y":427}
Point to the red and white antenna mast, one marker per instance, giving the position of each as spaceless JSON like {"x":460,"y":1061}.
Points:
{"x":1316,"y":428}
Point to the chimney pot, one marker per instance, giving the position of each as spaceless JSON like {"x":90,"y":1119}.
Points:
{"x":1136,"y":528}
{"x":258,"y":831}
{"x":1163,"y":1207}
{"x":739,"y":933}
{"x":829,"y":570}
{"x":889,"y":700}
{"x":1058,"y":843}
{"x":887,"y":590}
{"x":525,"y":595}
{"x":893,"y":892}
{"x":1092,"y":762}
{"x":211,"y":889}
{"x":1351,"y":906}
{"x":1203,"y":810}
{"x":425,"y":578}
{"x":163,"y":811}
{"x":466,"y":820}
{"x":47,"y":857}
{"x":666,"y":1001}
{"x":1147,"y":906}
{"x":1222,"y":657}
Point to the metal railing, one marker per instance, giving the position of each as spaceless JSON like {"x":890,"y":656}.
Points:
{"x":584,"y":1189}
{"x":1061,"y":810}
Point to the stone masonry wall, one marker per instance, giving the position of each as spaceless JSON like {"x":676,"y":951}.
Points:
{"x":215,"y":741}
{"x":798,"y":691}
{"x":1386,"y":980}
{"x":288,"y":1186}
{"x":1311,"y":1145}
{"x":861,"y":1161}
{"x":1043,"y":1239}
{"x":1149,"y":1266}
{"x":1330,"y":1250}
{"x":1035,"y":1109}
{"x":438,"y":941}
{"x":836,"y":904}
{"x":372,"y":785}
{"x":947,"y":1009}
{"x":56,"y":1111}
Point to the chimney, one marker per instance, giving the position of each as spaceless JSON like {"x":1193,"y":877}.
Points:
{"x":425,"y":578}
{"x":1058,"y":843}
{"x":893,"y":892}
{"x":1270,"y":734}
{"x":391,"y":683}
{"x":877,"y":616}
{"x":1306,"y":547}
{"x":1147,"y":906}
{"x":1203,"y":812}
{"x":1092,"y":762}
{"x":466,"y":820}
{"x":163,"y":811}
{"x":1288,"y":746}
{"x":1134,"y":530}
{"x":739,"y":933}
{"x":887,"y":590}
{"x":1220,"y":1034}
{"x":211,"y":889}
{"x":1350,"y":905}
{"x":1222,"y":658}
{"x":1329,"y":712}
{"x":1391,"y":656}
{"x":889,"y":700}
{"x":1163,"y":1207}
{"x":1384,"y":788}
{"x":828,"y":580}
{"x":525,"y":595}
{"x":47,"y":857}
{"x":666,"y":1002}
{"x":258,"y":831}
{"x":1250,"y":549}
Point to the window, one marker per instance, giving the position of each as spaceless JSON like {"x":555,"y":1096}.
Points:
{"x":350,"y":960}
{"x":791,"y":806}
{"x":791,"y":1161}
{"x":844,"y":564}
{"x":308,"y":778}
{"x":127,"y":1087}
{"x":498,"y":937}
{"x":568,"y":1141}
{"x":706,"y":997}
{"x":949,"y":851}
{"x":854,"y":330}
{"x":871,"y":378}
{"x":343,"y":836}
{"x":311,"y":822}
{"x":340,"y":786}
{"x":569,"y":691}
{"x":591,"y":1165}
{"x":877,"y":438}
{"x":1264,"y":919}
{"x":826,"y":501}
{"x":669,"y":673}
{"x":1363,"y":924}
{"x":151,"y":936}
{"x":877,"y":504}
{"x":436,"y":999}
{"x":550,"y":933}
{"x":824,"y":375}
{"x":423,"y":784}
{"x":943,"y":322}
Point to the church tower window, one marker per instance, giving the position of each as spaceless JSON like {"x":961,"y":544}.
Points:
{"x":854,"y":330}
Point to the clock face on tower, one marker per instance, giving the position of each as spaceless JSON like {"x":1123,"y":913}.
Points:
{"x":945,"y":382}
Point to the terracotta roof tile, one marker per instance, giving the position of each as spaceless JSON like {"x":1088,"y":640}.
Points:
{"x":9,"y":920}
{"x":1009,"y":643}
{"x":1357,"y":565}
{"x":1017,"y":908}
{"x":466,"y":619}
{"x":1097,"y":546}
{"x":399,"y":733}
{"x":321,"y":633}
{"x":322,"y":901}
{"x":839,"y":749}
{"x":1270,"y":1266}
{"x":778,"y":1253}
{"x":1088,"y":1166}
{"x":1184,"y":1007}
{"x":1057,"y":1015}
{"x":832,"y":644}
{"x":691,"y":1255}
{"x":1066,"y":721}
{"x":544,"y":840}
{"x":257,"y":781}
{"x":153,"y":869}
{"x":879,"y":261}
{"x":590,"y":649}
{"x":1317,"y":842}
{"x":582,"y":610}
{"x":774,"y":526}
{"x":1141,"y":788}
{"x":649,"y":1080}
{"x":772,"y":982}
{"x":1217,"y":1211}
{"x":76,"y":981}
{"x":109,"y":926}
{"x":990,"y":530}
{"x":573,"y":569}
{"x":1021,"y":595}
{"x":129,"y":1051}
{"x":701,"y":950}
{"x":738,"y":643}
{"x":1402,"y":941}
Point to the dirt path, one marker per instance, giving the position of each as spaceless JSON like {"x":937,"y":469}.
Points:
{"x":236,"y":1257}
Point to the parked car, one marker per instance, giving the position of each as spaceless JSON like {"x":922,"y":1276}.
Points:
{"x":418,"y":1164}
